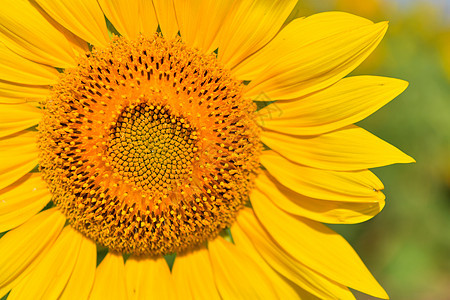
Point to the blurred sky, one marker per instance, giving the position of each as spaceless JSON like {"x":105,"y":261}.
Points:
{"x":441,"y":3}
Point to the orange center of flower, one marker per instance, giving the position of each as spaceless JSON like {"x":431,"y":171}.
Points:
{"x":148,"y":146}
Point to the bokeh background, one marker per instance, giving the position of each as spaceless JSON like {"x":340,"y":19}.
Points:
{"x":407,"y":246}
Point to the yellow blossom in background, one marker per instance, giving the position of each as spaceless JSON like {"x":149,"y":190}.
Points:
{"x":373,"y":9}
{"x":444,"y":47}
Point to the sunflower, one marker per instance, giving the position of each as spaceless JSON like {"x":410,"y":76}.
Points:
{"x":209,"y":136}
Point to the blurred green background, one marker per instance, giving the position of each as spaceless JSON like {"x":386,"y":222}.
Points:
{"x":407,"y":246}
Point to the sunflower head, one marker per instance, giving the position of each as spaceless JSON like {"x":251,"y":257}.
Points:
{"x":148,"y":146}
{"x":150,"y":143}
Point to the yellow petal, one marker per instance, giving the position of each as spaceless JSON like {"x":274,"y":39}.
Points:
{"x":148,"y":278}
{"x":82,"y":17}
{"x":348,"y":149}
{"x":15,"y":68}
{"x":109,"y":282}
{"x":21,"y":93}
{"x":22,"y":248}
{"x":17,"y":117}
{"x":18,"y":156}
{"x":79,"y":47}
{"x":317,"y":65}
{"x":248,"y":230}
{"x":193,"y":276}
{"x":30,"y":32}
{"x":296,"y":35}
{"x":82,"y":277}
{"x":124,"y":15}
{"x":317,"y":247}
{"x":165,"y":13}
{"x":22,"y":200}
{"x":251,"y":25}
{"x":50,"y":276}
{"x":348,"y":101}
{"x":237,"y":276}
{"x":6,"y":100}
{"x":283,"y":288}
{"x":200,"y":22}
{"x":147,"y":17}
{"x":332,"y":212}
{"x":356,"y":186}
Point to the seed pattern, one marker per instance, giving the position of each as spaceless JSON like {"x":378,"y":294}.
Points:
{"x":148,"y":146}
{"x":151,"y":148}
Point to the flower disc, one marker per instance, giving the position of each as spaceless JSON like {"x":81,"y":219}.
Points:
{"x":148,"y":146}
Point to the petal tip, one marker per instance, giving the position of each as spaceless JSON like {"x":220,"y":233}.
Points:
{"x":398,"y":86}
{"x":406,"y":159}
{"x":411,"y":160}
{"x":383,"y":27}
{"x":402,"y":85}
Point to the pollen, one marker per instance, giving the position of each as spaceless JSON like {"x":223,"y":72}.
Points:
{"x":148,"y":146}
